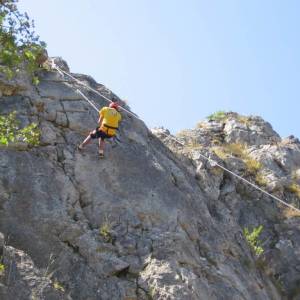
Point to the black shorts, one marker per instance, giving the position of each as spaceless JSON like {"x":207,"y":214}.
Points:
{"x":100,"y":135}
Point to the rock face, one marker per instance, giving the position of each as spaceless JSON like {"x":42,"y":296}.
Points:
{"x":150,"y":221}
{"x":249,"y":147}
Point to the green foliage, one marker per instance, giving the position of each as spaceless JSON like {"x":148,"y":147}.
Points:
{"x":19,"y":45}
{"x":10,"y":132}
{"x":253,"y":239}
{"x":105,"y":231}
{"x":8,"y":128}
{"x":30,"y":134}
{"x":58,"y":286}
{"x":2,"y":268}
{"x":218,"y":116}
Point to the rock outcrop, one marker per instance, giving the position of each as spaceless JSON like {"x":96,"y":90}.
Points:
{"x":152,"y":220}
{"x":249,"y":147}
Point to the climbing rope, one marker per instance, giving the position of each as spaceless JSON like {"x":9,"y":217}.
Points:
{"x":172,"y":137}
{"x":54,"y":66}
{"x":88,"y":100}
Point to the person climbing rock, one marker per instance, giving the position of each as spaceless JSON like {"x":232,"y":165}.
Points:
{"x":109,"y":118}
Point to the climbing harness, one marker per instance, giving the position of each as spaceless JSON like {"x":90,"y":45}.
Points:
{"x":110,"y":127}
{"x":213,"y":162}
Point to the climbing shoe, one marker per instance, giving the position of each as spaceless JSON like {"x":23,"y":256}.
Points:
{"x":101,"y":154}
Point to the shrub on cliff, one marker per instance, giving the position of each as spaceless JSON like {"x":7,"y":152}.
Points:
{"x":20,"y":47}
{"x":10,"y":131}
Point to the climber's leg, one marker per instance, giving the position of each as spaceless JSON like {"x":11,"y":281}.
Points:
{"x":102,"y":136}
{"x":93,"y":135}
{"x":101,"y":147}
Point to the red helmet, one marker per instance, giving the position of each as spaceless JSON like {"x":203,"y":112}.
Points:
{"x":114,"y":105}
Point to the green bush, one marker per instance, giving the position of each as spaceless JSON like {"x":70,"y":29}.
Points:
{"x":20,"y":46}
{"x":10,"y":131}
{"x":30,"y":134}
{"x":217,"y":116}
{"x":253,"y":239}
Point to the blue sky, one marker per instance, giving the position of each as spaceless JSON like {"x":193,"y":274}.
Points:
{"x":178,"y":61}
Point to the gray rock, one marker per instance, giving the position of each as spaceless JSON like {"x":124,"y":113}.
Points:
{"x":233,"y":203}
{"x":20,"y":83}
{"x":61,"y":63}
{"x":145,"y":222}
{"x":257,"y":132}
{"x":24,"y":280}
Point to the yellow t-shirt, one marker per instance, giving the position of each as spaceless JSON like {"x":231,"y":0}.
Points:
{"x":111,"y":118}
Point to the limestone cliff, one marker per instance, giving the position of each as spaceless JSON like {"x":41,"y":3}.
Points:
{"x":152,"y":220}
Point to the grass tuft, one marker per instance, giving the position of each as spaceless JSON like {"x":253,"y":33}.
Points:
{"x":220,"y":152}
{"x":236,"y":149}
{"x":239,"y":150}
{"x":105,"y":231}
{"x":252,"y":165}
{"x":58,"y":286}
{"x":244,"y":120}
{"x":295,"y":189}
{"x":261,"y":180}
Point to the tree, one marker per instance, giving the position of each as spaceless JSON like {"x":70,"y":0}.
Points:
{"x":20,"y":46}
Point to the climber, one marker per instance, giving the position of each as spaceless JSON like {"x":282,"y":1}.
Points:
{"x":109,"y":118}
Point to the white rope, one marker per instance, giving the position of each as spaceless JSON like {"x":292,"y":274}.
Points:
{"x":173,"y":138}
{"x":88,"y":100}
{"x":91,"y":89}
